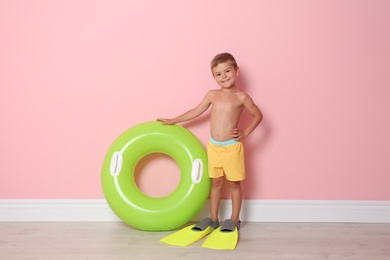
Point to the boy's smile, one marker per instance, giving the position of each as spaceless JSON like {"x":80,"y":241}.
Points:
{"x":225,"y":74}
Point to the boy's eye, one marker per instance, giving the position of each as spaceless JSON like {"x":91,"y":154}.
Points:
{"x":227,"y":70}
{"x":218,"y":74}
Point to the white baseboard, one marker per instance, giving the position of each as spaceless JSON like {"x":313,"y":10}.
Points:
{"x":252,"y":210}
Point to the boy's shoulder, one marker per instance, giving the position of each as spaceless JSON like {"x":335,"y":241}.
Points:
{"x":212,"y":92}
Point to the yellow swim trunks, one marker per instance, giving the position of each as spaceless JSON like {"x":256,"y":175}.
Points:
{"x":226,"y":159}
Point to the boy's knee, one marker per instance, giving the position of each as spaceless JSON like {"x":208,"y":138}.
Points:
{"x":217,"y":182}
{"x":234,"y":184}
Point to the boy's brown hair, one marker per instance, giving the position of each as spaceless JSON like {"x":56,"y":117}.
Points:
{"x":223,"y":57}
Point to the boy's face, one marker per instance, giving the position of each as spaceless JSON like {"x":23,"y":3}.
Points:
{"x":225,"y":74}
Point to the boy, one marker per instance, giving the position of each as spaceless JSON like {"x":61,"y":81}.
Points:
{"x":227,"y":103}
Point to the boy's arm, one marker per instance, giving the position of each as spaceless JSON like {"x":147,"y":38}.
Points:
{"x":257,"y":117}
{"x":190,"y":114}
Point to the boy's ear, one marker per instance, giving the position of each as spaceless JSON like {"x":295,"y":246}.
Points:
{"x":238,"y":71}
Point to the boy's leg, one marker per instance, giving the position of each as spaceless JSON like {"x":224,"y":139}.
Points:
{"x":215,"y":197}
{"x":235,"y":189}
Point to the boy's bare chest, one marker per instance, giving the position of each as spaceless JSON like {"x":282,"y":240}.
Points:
{"x":227,"y":102}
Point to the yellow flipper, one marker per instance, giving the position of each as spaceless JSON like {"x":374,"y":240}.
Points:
{"x":222,"y":240}
{"x":186,"y":236}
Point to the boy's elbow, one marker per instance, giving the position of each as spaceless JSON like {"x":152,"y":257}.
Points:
{"x":259,"y":117}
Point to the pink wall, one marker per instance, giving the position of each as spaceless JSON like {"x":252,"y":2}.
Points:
{"x":76,"y":74}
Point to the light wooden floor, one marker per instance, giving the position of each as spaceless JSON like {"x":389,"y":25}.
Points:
{"x":115,"y":240}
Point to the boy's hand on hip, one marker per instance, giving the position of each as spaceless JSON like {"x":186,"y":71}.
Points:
{"x":236,"y":134}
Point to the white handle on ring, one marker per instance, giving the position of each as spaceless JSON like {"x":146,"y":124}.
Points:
{"x":197,"y":171}
{"x":116,"y":164}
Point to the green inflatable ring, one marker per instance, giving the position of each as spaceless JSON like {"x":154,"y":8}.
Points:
{"x":125,"y":198}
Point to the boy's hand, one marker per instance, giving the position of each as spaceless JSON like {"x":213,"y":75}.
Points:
{"x":165,"y":121}
{"x":236,"y":134}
